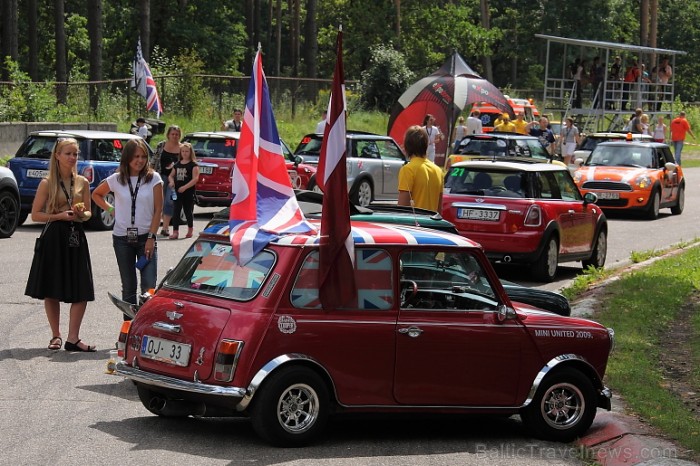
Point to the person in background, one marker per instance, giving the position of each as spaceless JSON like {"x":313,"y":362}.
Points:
{"x":434,"y":135}
{"x":542,"y":132}
{"x":659,"y":133}
{"x":61,"y":270}
{"x":143,"y":129}
{"x":138,"y":203}
{"x":474,"y":125}
{"x":569,"y":139}
{"x":321,"y":125}
{"x":165,"y":157}
{"x":235,"y":123}
{"x":520,"y":123}
{"x":506,"y":126}
{"x":420,"y":180}
{"x":679,"y":128}
{"x":460,"y":132}
{"x":182,"y":180}
{"x":644,"y":119}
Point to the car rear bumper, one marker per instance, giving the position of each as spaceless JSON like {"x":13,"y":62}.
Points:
{"x":171,"y":383}
{"x":213,"y":198}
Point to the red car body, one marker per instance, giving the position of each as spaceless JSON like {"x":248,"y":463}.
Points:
{"x":525,"y":212}
{"x":432,"y":330}
{"x":216,"y":154}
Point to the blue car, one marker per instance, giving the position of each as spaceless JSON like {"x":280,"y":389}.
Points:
{"x":100,"y":153}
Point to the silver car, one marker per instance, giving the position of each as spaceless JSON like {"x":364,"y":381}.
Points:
{"x":373,"y":164}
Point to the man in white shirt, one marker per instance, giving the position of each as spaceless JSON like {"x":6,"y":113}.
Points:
{"x":143,"y":129}
{"x":321,"y":125}
{"x":474,"y":125}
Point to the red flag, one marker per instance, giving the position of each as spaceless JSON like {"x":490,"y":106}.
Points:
{"x":337,"y":250}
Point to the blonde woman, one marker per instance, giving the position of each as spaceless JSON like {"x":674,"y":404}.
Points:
{"x":182,"y":180}
{"x":61,"y":270}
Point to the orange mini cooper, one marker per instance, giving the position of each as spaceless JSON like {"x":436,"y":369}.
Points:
{"x":640,"y":176}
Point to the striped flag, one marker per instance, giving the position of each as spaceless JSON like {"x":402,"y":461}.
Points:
{"x":144,"y":84}
{"x":337,"y":250}
{"x":264,"y":205}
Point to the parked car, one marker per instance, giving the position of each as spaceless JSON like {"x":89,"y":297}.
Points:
{"x":526,"y":212}
{"x":590,"y":141}
{"x":9,"y":203}
{"x":311,"y":202}
{"x":99,"y":156}
{"x":431,"y":331}
{"x":373,"y":164}
{"x":633,"y":176}
{"x":216,"y":154}
{"x":499,"y":145}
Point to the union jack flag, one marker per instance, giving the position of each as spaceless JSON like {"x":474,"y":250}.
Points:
{"x":144,"y":84}
{"x":264,"y":205}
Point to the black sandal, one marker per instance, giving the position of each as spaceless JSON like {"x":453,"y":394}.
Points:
{"x":55,"y":346}
{"x":74,"y":347}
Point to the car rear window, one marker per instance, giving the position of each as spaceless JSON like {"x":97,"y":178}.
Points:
{"x":103,"y":150}
{"x":309,"y":145}
{"x":210,"y":267}
{"x":214,"y":148}
{"x":483,"y":146}
{"x":461,"y":180}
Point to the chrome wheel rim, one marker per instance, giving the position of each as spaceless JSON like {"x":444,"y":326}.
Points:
{"x":298,"y":408}
{"x":602,"y":249}
{"x":106,"y":217}
{"x":552,"y":258}
{"x":563,"y":406}
{"x":364,"y":194}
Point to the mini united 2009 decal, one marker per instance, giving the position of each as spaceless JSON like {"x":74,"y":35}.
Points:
{"x":287,"y":324}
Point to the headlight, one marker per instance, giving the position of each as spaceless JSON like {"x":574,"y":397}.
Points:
{"x":611,"y":334}
{"x":643,"y":182}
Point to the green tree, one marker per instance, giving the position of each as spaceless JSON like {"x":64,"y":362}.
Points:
{"x":386,"y":78}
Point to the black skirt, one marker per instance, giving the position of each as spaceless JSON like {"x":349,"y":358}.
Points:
{"x":61,"y":272}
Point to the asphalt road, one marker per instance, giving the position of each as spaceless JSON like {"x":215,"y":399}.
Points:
{"x":62,"y":408}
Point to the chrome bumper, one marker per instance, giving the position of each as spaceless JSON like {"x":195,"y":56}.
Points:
{"x":163,"y":381}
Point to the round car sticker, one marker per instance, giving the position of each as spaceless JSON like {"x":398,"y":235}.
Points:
{"x":500,"y":143}
{"x":287,"y":324}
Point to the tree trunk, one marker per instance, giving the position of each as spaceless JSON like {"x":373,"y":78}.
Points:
{"x":310,"y":39}
{"x":278,"y":38}
{"x":486,"y":24}
{"x":145,"y":28}
{"x":250,"y":25}
{"x":653,"y":26}
{"x":9,"y":33}
{"x":61,"y":57}
{"x":95,"y":33}
{"x":644,"y":23}
{"x":397,"y":26}
{"x":33,"y":45}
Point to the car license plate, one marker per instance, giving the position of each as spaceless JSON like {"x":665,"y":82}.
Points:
{"x":478,"y":214}
{"x":206,"y":170}
{"x":37,"y":173}
{"x":607,"y":195}
{"x":168,"y":351}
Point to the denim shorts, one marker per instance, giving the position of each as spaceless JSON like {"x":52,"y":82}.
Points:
{"x":168,"y":204}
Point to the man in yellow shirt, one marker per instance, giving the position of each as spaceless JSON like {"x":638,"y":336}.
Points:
{"x":420,"y":180}
{"x":506,"y":125}
{"x":520,"y":124}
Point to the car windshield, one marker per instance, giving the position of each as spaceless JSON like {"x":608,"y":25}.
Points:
{"x":38,"y":147}
{"x":478,"y":146}
{"x":214,"y":148}
{"x":625,"y":156}
{"x":210,"y":267}
{"x":480,"y":181}
{"x":310,"y":145}
{"x":592,"y":142}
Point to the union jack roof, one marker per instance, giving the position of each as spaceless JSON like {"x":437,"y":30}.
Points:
{"x":368,"y":233}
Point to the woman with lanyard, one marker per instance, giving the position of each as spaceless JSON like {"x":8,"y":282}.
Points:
{"x":569,"y":140}
{"x":61,"y":270}
{"x":138,"y":203}
{"x":434,"y":135}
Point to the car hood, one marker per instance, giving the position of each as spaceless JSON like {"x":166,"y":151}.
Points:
{"x":624,"y":174}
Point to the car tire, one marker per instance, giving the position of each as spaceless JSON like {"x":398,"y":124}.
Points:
{"x":563,"y":407}
{"x":9,"y":214}
{"x":362,"y":195}
{"x":292,"y":408}
{"x":545,"y":268}
{"x":680,"y":203}
{"x":599,"y":252}
{"x":23,"y":214}
{"x":653,"y":205}
{"x":101,"y":219}
{"x":313,"y":186}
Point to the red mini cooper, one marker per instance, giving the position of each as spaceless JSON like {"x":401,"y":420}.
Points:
{"x":431,"y":330}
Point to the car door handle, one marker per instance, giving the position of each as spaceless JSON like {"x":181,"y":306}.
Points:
{"x":172,"y":328}
{"x":412,"y":332}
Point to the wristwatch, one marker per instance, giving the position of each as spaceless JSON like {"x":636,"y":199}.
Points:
{"x":151,"y":235}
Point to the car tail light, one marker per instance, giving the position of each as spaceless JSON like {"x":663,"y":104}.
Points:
{"x":89,"y":173}
{"x":226,"y":359}
{"x":533,"y":218}
{"x":123,"y":334}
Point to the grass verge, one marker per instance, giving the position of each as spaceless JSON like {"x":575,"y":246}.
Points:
{"x":641,"y":306}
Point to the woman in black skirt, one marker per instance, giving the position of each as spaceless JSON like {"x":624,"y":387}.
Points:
{"x":61,"y":269}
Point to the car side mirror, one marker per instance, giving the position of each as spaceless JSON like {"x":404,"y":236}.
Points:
{"x":578,"y":162}
{"x":590,"y":198}
{"x":504,"y":313}
{"x":670,"y":166}
{"x":298,"y":160}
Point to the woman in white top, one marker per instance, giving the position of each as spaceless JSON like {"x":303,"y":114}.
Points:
{"x":434,"y":135}
{"x":569,"y":140}
{"x":460,"y":133}
{"x":659,"y":130}
{"x":138,"y":203}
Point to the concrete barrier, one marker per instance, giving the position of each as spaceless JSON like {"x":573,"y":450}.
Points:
{"x":13,"y":134}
